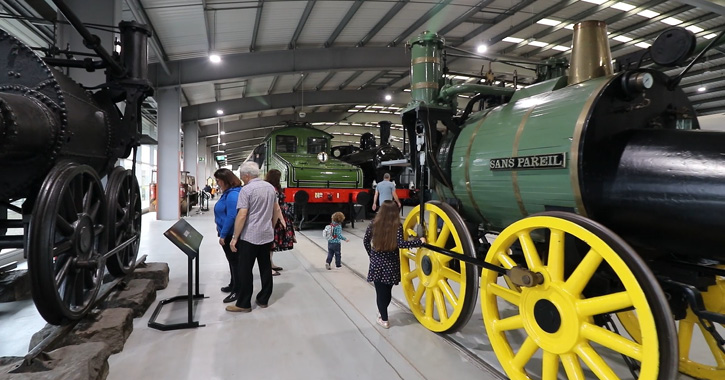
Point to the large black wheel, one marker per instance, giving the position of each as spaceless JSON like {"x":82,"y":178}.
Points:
{"x":66,"y":242}
{"x":124,"y":220}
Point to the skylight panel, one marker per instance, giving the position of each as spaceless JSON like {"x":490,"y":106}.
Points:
{"x":548,"y":21}
{"x":643,"y":45}
{"x":537,"y":43}
{"x":672,"y":21}
{"x":623,"y":6}
{"x":513,"y":40}
{"x":622,"y":38}
{"x":694,"y":29}
{"x":648,"y":13}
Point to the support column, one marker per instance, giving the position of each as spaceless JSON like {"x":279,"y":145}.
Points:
{"x":191,"y":142}
{"x":169,"y":167}
{"x":202,"y":168}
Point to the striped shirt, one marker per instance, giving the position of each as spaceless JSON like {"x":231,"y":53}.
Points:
{"x":258,"y":197}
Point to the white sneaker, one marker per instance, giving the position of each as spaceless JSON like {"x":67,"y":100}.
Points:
{"x":384,"y":324}
{"x":327,"y":266}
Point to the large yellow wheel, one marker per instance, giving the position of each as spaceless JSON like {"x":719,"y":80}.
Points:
{"x":714,"y":369}
{"x":441,"y":291}
{"x":557,"y":321}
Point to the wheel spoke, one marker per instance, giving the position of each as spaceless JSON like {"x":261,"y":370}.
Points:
{"x":572,"y":367}
{"x":505,"y":260}
{"x":527,"y":350}
{"x":555,"y":263}
{"x":432,"y":233}
{"x":61,"y":247}
{"x":549,"y":366}
{"x":507,"y":294}
{"x":88,"y":197}
{"x":583,"y":273}
{"x":429,"y":304}
{"x":67,"y":206}
{"x":418,"y":294}
{"x":531,"y":254}
{"x":603,"y":304}
{"x":62,"y":272}
{"x":448,"y":292}
{"x":684,"y":337}
{"x":443,"y":236}
{"x":612,"y":341}
{"x":440,"y":305}
{"x":595,"y":362}
{"x":451,"y":274}
{"x":412,"y":274}
{"x":98,"y":229}
{"x":712,"y":344}
{"x":79,"y":289}
{"x":511,"y":323}
{"x":63,"y":226}
{"x":93,"y":211}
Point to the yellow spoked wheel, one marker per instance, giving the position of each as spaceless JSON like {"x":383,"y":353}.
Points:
{"x":556,"y":321}
{"x":441,"y":291}
{"x":714,"y":300}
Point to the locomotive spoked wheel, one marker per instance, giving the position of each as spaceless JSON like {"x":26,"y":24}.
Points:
{"x":714,"y":299}
{"x":556,"y":321}
{"x":124,"y":218}
{"x":66,"y":241}
{"x":441,"y":291}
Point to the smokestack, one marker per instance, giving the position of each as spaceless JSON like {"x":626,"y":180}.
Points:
{"x":384,"y":132}
{"x":590,"y":54}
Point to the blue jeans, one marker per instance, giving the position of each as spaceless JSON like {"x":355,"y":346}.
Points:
{"x":333,"y":249}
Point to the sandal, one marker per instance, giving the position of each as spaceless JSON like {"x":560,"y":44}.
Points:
{"x":275,"y":273}
{"x":277,"y":268}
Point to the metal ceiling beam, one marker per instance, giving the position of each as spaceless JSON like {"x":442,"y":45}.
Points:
{"x":386,"y":19}
{"x":325,"y":80}
{"x":580,"y":16}
{"x":466,"y":16}
{"x":301,"y":23}
{"x":609,"y":21}
{"x":343,"y":23}
{"x":708,"y":5}
{"x":297,"y":85}
{"x":653,"y":35}
{"x":273,"y":84}
{"x":349,"y":80}
{"x":509,"y":12}
{"x":709,"y":100}
{"x":209,"y":43}
{"x":288,"y":100}
{"x":255,"y":32}
{"x":373,"y":79}
{"x":420,"y":21}
{"x":277,"y":62}
{"x":139,"y":13}
{"x":531,"y":20}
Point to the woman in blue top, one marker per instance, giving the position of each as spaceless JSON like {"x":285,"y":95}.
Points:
{"x":225,"y":211}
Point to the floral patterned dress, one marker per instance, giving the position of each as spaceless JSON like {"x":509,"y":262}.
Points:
{"x":385,"y":265}
{"x":284,"y":237}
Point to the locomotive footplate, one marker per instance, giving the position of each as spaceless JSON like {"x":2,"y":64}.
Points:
{"x":519,"y":276}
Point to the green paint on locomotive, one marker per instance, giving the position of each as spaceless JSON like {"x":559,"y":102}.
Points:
{"x":293,"y":150}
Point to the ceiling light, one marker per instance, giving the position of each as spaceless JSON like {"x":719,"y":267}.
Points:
{"x":570,"y":27}
{"x":702,"y":89}
{"x":215,"y":58}
{"x":224,"y":144}
{"x":622,"y":38}
{"x":648,"y":13}
{"x":643,"y":45}
{"x":220,"y":112}
{"x":694,"y":29}
{"x":481,"y":48}
{"x":672,"y":21}
{"x":388,"y":97}
{"x":561,"y":48}
{"x":222,"y":133}
{"x":623,"y":7}
{"x":513,"y":39}
{"x":548,"y":21}
{"x":711,"y":36}
{"x":537,"y":43}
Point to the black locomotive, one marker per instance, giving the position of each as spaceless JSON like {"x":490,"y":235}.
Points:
{"x":57,"y":140}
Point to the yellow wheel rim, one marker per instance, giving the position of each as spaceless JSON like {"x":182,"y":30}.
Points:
{"x":713,"y":299}
{"x":440,"y":290}
{"x":555,"y":317}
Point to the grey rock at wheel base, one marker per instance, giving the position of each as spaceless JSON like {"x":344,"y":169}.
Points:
{"x":158,"y":272}
{"x":14,"y":285}
{"x":138,"y":295}
{"x":111,"y":326}
{"x":88,"y":361}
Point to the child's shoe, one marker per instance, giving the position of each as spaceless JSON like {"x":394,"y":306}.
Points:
{"x":384,"y":324}
{"x":327,"y":266}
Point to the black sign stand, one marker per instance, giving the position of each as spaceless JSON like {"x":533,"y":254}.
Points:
{"x":184,"y":236}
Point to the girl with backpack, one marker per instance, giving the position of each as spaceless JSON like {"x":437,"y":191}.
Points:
{"x":383,"y":240}
{"x":333,"y":234}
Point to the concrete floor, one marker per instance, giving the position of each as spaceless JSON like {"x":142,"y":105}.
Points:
{"x":320,"y":324}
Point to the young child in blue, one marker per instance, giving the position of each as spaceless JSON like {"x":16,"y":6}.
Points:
{"x":333,"y":243}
